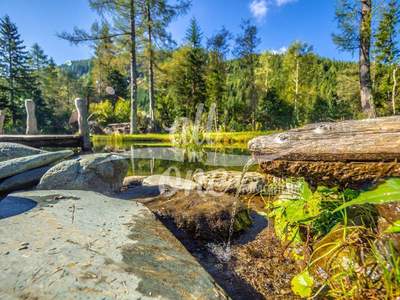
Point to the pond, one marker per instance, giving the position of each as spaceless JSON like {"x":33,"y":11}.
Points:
{"x":162,"y":158}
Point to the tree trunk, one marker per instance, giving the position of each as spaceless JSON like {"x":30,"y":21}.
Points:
{"x":297,"y":89}
{"x":394,"y":90}
{"x":11,"y":87}
{"x":152,"y":103}
{"x":367,"y":104}
{"x":133,"y":82}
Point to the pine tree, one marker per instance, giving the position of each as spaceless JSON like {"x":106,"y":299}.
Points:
{"x":218,"y":48}
{"x":124,"y":15}
{"x":246,"y":46}
{"x":355,"y":25}
{"x":196,"y":61}
{"x":387,"y":53}
{"x":156,"y":15}
{"x":194,"y":35}
{"x":43,"y":79}
{"x":14,"y":68}
{"x":38,"y":59}
{"x":102,"y":65}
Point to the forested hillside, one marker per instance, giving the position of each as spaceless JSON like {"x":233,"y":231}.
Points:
{"x":252,"y":89}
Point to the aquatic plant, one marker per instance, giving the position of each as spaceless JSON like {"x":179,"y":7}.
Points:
{"x":349,"y":259}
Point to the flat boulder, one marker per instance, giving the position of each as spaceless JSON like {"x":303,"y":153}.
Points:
{"x":19,"y":165}
{"x":176,"y":183}
{"x":102,"y":173}
{"x":84,"y":245}
{"x":228,"y":181}
{"x":13,"y":150}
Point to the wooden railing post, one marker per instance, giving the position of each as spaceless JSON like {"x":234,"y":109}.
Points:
{"x":81,"y":107}
{"x":31,"y":123}
{"x":2,"y":118}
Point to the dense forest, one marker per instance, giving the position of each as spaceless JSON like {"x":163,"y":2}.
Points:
{"x":138,"y":73}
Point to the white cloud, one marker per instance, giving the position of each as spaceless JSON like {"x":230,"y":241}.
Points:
{"x":281,"y":50}
{"x":259,"y":9}
{"x":284,"y":2}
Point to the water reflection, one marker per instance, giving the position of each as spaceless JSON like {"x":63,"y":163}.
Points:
{"x":149,"y":160}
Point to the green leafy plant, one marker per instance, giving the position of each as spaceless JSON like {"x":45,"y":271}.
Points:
{"x":298,"y":207}
{"x":387,"y":192}
{"x":295,"y":207}
{"x":302,"y":284}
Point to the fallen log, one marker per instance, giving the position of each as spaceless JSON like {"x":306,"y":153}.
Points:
{"x":38,"y":141}
{"x":345,"y":153}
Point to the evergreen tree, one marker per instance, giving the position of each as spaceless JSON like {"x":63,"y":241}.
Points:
{"x":38,"y":59}
{"x":124,"y":15}
{"x":102,"y":64}
{"x":14,"y":68}
{"x":156,"y":15}
{"x":218,"y":48}
{"x":298,"y":82}
{"x":246,"y":46}
{"x":355,"y":25}
{"x":387,"y":54}
{"x":195,"y":69}
{"x":194,"y":35}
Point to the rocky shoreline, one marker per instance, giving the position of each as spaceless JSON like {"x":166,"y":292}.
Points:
{"x":79,"y":207}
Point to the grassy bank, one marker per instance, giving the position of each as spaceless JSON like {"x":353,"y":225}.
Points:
{"x":224,"y":138}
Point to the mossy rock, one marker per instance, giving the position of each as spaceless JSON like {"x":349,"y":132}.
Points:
{"x":202,"y":215}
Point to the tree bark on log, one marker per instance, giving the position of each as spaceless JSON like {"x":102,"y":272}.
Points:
{"x":345,"y":153}
{"x":39,"y":141}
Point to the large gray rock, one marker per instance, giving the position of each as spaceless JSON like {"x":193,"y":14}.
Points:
{"x":83,"y":245}
{"x":18,"y":165}
{"x":94,"y":172}
{"x":171,"y":181}
{"x":12,"y":150}
{"x":228,"y":181}
{"x":23,"y":180}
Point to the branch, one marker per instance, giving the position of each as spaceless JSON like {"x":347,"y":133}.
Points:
{"x":81,"y":36}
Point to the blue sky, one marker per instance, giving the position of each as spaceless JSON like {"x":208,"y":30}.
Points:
{"x":280,"y":22}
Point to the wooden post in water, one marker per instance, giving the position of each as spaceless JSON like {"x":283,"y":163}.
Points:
{"x":2,"y":118}
{"x":81,"y":107}
{"x":31,"y":123}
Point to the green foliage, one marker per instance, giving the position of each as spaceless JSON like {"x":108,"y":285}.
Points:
{"x":302,"y":284}
{"x":18,"y":83}
{"x":388,"y":191}
{"x":344,"y":244}
{"x":295,"y":208}
{"x":387,"y":57}
{"x":122,"y":110}
{"x":102,"y":112}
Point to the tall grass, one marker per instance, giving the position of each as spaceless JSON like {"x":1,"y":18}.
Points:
{"x":223,"y":138}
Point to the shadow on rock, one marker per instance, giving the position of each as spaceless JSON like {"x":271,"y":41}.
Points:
{"x":12,"y":206}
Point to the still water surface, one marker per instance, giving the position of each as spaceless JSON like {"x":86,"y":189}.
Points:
{"x":149,"y":159}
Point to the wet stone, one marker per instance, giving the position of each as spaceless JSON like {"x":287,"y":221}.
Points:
{"x":84,"y":245}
